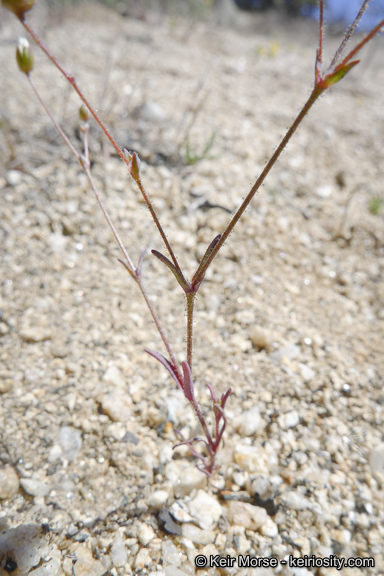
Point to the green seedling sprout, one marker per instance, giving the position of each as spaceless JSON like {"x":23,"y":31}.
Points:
{"x":325,"y":77}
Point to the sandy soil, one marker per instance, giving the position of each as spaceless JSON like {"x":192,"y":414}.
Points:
{"x":291,"y":314}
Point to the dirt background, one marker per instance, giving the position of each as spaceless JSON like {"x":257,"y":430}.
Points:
{"x":291,"y":315}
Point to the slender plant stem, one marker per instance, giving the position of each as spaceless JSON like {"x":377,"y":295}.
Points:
{"x":271,"y":162}
{"x":349,"y":33}
{"x":190,"y":309}
{"x":73,"y":83}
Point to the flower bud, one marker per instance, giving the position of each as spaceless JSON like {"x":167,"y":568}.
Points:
{"x":18,"y":7}
{"x":24,"y":56}
{"x":83,"y":113}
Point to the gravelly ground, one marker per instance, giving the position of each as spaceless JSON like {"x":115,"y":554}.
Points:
{"x":290,"y":316}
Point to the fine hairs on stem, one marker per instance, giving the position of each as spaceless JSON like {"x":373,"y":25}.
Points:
{"x":182,"y":373}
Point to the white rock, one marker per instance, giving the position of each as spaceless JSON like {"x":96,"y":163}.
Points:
{"x":152,"y":112}
{"x":198,"y":536}
{"x":249,"y":422}
{"x":25,"y":544}
{"x":145,"y":534}
{"x":306,"y":372}
{"x":13,"y":177}
{"x":34,"y":487}
{"x":252,"y":458}
{"x":291,"y":351}
{"x":143,"y":559}
{"x":35,"y":334}
{"x":269,"y":529}
{"x":205,"y":509}
{"x":288,"y":420}
{"x":9,"y":483}
{"x":180,"y":513}
{"x":70,"y":442}
{"x":119,"y":553}
{"x":114,"y":376}
{"x":188,"y":478}
{"x":246,"y":515}
{"x":117,"y":405}
{"x":158,"y":499}
{"x":261,"y":338}
{"x":295,"y":500}
{"x":376,"y":459}
{"x":170,"y":553}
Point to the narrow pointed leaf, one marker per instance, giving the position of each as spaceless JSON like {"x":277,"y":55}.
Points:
{"x":188,"y":383}
{"x":168,"y":365}
{"x":127,"y":267}
{"x":339,"y":73}
{"x":225,"y":397}
{"x":207,"y":254}
{"x":177,"y":274}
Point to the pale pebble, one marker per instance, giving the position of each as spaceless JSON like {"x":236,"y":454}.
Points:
{"x":180,"y":513}
{"x":170,"y":553}
{"x":289,"y":419}
{"x":117,"y":405}
{"x":249,"y":422}
{"x":295,"y":501}
{"x":158,"y":499}
{"x":246,"y":515}
{"x":205,"y":509}
{"x":198,"y":536}
{"x":70,"y":442}
{"x":145,"y":534}
{"x":269,"y":529}
{"x":306,"y":372}
{"x":252,"y":459}
{"x":114,"y":376}
{"x":261,"y":338}
{"x":34,"y":487}
{"x":9,"y":483}
{"x":119,"y":553}
{"x":143,"y":559}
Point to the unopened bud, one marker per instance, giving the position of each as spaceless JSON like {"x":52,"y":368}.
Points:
{"x":18,"y":7}
{"x":24,"y":56}
{"x":83,"y":113}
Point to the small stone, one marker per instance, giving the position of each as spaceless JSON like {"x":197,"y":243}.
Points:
{"x":13,"y":177}
{"x":25,"y":545}
{"x":33,"y":334}
{"x":306,"y":372}
{"x":295,"y":501}
{"x":290,"y":352}
{"x":114,"y":376}
{"x":9,"y":483}
{"x":170,"y":553}
{"x":173,"y":571}
{"x":249,"y":422}
{"x":167,"y":523}
{"x":34,"y":487}
{"x":145,"y":534}
{"x":70,"y":442}
{"x":246,"y":515}
{"x":119,"y":553}
{"x":261,"y":338}
{"x":252,"y":459}
{"x":376,"y":459}
{"x":86,"y":565}
{"x":117,"y":405}
{"x":143,"y":559}
{"x":152,"y":112}
{"x":205,"y":509}
{"x":289,"y":420}
{"x":179,"y":512}
{"x":158,"y":499}
{"x":240,"y":343}
{"x":269,"y":529}
{"x":198,"y":536}
{"x":189,"y":479}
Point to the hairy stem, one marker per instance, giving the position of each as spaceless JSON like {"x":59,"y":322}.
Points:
{"x":190,"y":309}
{"x":120,"y":152}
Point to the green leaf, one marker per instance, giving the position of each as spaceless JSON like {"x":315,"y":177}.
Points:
{"x":339,"y":73}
